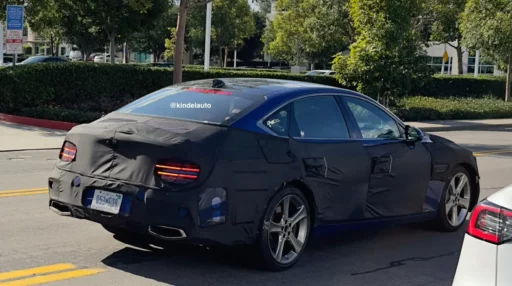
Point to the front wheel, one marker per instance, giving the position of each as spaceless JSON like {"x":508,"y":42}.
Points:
{"x":285,"y":230}
{"x":456,"y":201}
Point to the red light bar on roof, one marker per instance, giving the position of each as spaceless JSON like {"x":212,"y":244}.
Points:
{"x":211,"y":91}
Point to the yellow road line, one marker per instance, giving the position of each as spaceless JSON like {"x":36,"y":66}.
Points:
{"x":53,"y":277}
{"x":493,"y":152}
{"x":23,"y":191}
{"x":22,"y":194}
{"x":36,"y":271}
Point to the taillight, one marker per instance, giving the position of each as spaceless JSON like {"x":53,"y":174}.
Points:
{"x":491,"y":223}
{"x":67,"y":152}
{"x":179,"y":173}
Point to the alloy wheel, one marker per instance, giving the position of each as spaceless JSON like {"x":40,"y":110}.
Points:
{"x":458,"y":199}
{"x":288,"y":229}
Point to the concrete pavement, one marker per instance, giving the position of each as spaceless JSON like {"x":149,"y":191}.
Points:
{"x":15,"y":137}
{"x":34,"y":237}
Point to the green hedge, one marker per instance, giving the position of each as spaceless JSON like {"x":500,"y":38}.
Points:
{"x":79,"y":92}
{"x":82,"y":92}
{"x":420,"y":108}
{"x":463,"y":86}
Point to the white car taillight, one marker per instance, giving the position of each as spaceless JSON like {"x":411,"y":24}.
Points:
{"x":491,"y":223}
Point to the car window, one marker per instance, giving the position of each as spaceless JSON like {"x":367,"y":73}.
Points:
{"x":194,"y":104}
{"x":278,"y":121}
{"x":318,"y":117}
{"x":373,"y":122}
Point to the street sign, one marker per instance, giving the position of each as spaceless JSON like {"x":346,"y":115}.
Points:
{"x":14,"y":39}
{"x":15,"y":17}
{"x":445,"y":57}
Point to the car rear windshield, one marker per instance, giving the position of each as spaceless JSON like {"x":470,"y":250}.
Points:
{"x":212,"y":106}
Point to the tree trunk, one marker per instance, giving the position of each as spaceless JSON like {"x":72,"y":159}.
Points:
{"x":459,"y":59}
{"x":180,"y":42}
{"x":507,"y":93}
{"x":226,"y":57}
{"x":112,"y":48}
{"x":51,"y":45}
{"x":220,"y":57}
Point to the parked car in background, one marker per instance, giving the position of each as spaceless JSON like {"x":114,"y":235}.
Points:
{"x":101,"y":59}
{"x":75,"y":56}
{"x":42,"y":59}
{"x":486,"y":253}
{"x":321,"y":72}
{"x":92,"y":56}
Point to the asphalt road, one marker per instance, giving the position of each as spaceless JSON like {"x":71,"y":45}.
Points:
{"x":66,"y":251}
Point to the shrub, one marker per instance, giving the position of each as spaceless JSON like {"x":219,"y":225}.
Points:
{"x":63,"y":91}
{"x":463,"y":86}
{"x":420,"y":108}
{"x":81,"y":92}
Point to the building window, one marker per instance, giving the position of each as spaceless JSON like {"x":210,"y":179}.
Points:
{"x":437,"y":63}
{"x":484,"y":67}
{"x":62,"y":51}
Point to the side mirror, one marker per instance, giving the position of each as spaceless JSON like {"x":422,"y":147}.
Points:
{"x":413,"y":134}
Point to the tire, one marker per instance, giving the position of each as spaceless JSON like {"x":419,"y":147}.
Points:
{"x":445,"y":220}
{"x":286,"y":229}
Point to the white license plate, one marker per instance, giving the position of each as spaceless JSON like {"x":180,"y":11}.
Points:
{"x":106,"y":201}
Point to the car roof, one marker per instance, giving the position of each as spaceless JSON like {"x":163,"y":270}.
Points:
{"x":265,"y":87}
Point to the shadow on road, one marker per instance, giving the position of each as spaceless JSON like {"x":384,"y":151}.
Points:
{"x":406,"y":255}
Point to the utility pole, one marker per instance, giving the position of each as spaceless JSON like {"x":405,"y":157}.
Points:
{"x":208,"y":36}
{"x":1,"y":43}
{"x":477,"y":63}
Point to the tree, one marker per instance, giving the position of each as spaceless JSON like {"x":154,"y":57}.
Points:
{"x":181,"y":25}
{"x":485,"y":26}
{"x":232,"y":22}
{"x":313,"y":30}
{"x":153,"y":38}
{"x":43,"y":17}
{"x":387,"y":53}
{"x":445,"y":28}
{"x":119,"y":18}
{"x":253,"y":46}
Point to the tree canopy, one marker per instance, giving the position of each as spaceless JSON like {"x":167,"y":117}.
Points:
{"x":387,"y":52}
{"x":308,"y":30}
{"x":485,"y":25}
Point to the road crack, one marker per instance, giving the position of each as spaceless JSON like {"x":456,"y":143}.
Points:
{"x":402,"y":262}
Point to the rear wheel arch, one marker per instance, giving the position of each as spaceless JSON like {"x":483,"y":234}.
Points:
{"x":475,"y":185}
{"x":308,"y":193}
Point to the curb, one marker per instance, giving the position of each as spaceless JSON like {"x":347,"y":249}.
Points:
{"x":43,"y":123}
{"x":482,"y":127}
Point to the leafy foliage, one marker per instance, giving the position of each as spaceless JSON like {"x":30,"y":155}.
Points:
{"x":387,"y":57}
{"x":312,"y":30}
{"x":152,"y":39}
{"x":81,"y":92}
{"x":420,"y":108}
{"x":485,"y":25}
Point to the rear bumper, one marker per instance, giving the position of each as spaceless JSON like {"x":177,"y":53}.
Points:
{"x":477,"y":263}
{"x":164,"y":214}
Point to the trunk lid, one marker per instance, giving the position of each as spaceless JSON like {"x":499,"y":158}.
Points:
{"x":127,"y":149}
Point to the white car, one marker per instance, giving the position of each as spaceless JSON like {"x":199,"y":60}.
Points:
{"x":486,"y":253}
{"x":101,"y":59}
{"x":321,"y":72}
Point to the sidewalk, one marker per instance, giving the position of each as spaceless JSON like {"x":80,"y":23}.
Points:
{"x":461,"y":125}
{"x":15,"y":137}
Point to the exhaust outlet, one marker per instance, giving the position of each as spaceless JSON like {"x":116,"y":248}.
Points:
{"x":60,"y":209}
{"x":166,"y":232}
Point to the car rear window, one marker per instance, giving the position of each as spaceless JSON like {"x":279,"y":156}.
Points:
{"x":212,"y":106}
